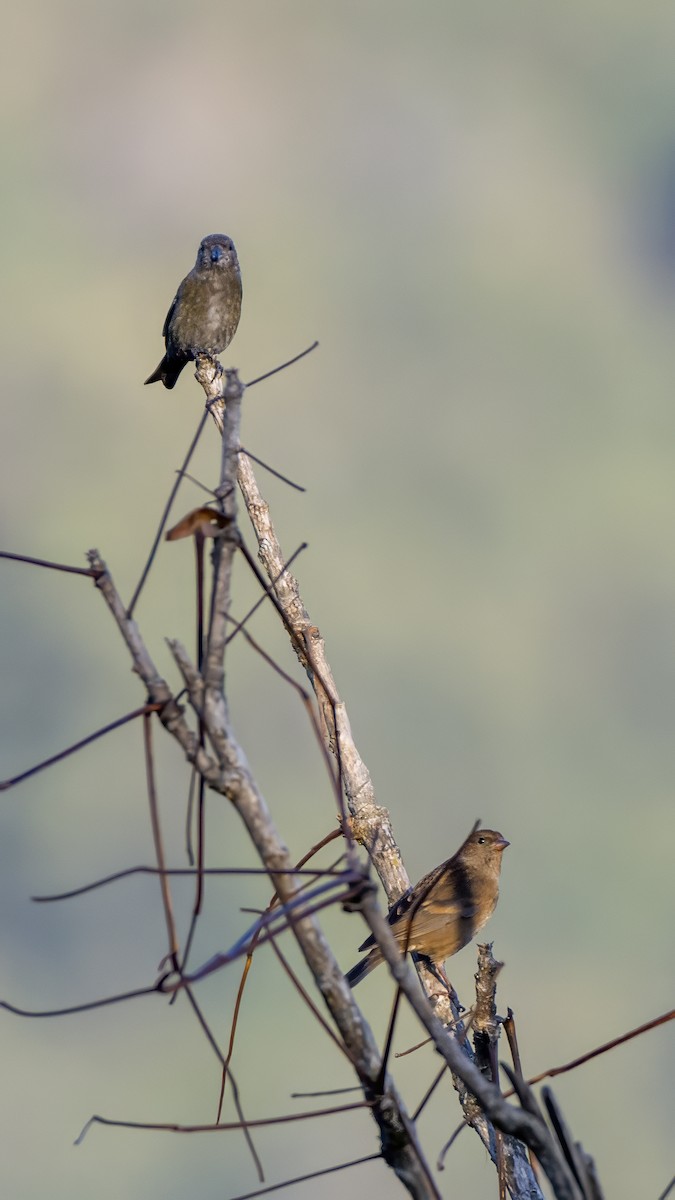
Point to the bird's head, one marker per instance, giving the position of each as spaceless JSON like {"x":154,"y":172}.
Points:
{"x":484,"y":849}
{"x":216,"y":253}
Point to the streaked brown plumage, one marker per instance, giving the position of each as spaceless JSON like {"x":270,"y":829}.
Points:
{"x":445,"y":910}
{"x":204,"y":315}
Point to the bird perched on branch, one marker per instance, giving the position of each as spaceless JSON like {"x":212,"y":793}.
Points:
{"x":205,"y":312}
{"x":445,"y":910}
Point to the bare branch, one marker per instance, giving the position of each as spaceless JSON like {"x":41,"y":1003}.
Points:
{"x":229,"y":774}
{"x":525,"y":1124}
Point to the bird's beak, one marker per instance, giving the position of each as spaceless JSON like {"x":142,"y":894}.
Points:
{"x":502,"y":844}
{"x":216,"y":253}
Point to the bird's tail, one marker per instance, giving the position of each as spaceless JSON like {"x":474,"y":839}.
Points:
{"x":363,"y":968}
{"x":158,"y":373}
{"x":168,"y":371}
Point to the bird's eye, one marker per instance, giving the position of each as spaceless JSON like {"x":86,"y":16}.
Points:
{"x":481,"y":841}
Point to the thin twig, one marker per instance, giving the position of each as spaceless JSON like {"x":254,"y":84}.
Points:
{"x":617,"y":1041}
{"x":225,"y":1127}
{"x":189,"y":872}
{"x":233,"y":1083}
{"x":106,"y":1002}
{"x":92,"y":737}
{"x":275,"y":1187}
{"x":267,"y":589}
{"x":288,"y":916}
{"x":440,"y":1161}
{"x":249,"y":959}
{"x":158,"y":841}
{"x":272,"y":471}
{"x":165,"y":515}
{"x":51,"y":566}
{"x":289,"y":363}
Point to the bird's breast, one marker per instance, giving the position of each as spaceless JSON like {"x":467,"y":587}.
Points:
{"x":207,"y":314}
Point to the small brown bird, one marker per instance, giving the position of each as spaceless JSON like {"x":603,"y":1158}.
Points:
{"x":445,"y":910}
{"x":205,"y":312}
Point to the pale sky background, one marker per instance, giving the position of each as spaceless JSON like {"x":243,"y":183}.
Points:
{"x":472,"y":207}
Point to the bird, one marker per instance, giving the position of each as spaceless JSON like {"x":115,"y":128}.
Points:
{"x":446,"y":909}
{"x":205,"y":312}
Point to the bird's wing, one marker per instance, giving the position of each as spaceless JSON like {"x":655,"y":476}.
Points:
{"x":169,"y":316}
{"x":433,"y":903}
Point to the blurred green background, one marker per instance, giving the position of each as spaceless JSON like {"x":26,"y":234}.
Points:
{"x":473,"y":208}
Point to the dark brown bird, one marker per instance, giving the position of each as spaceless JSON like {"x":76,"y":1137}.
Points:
{"x":445,"y":910}
{"x":205,"y":312}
